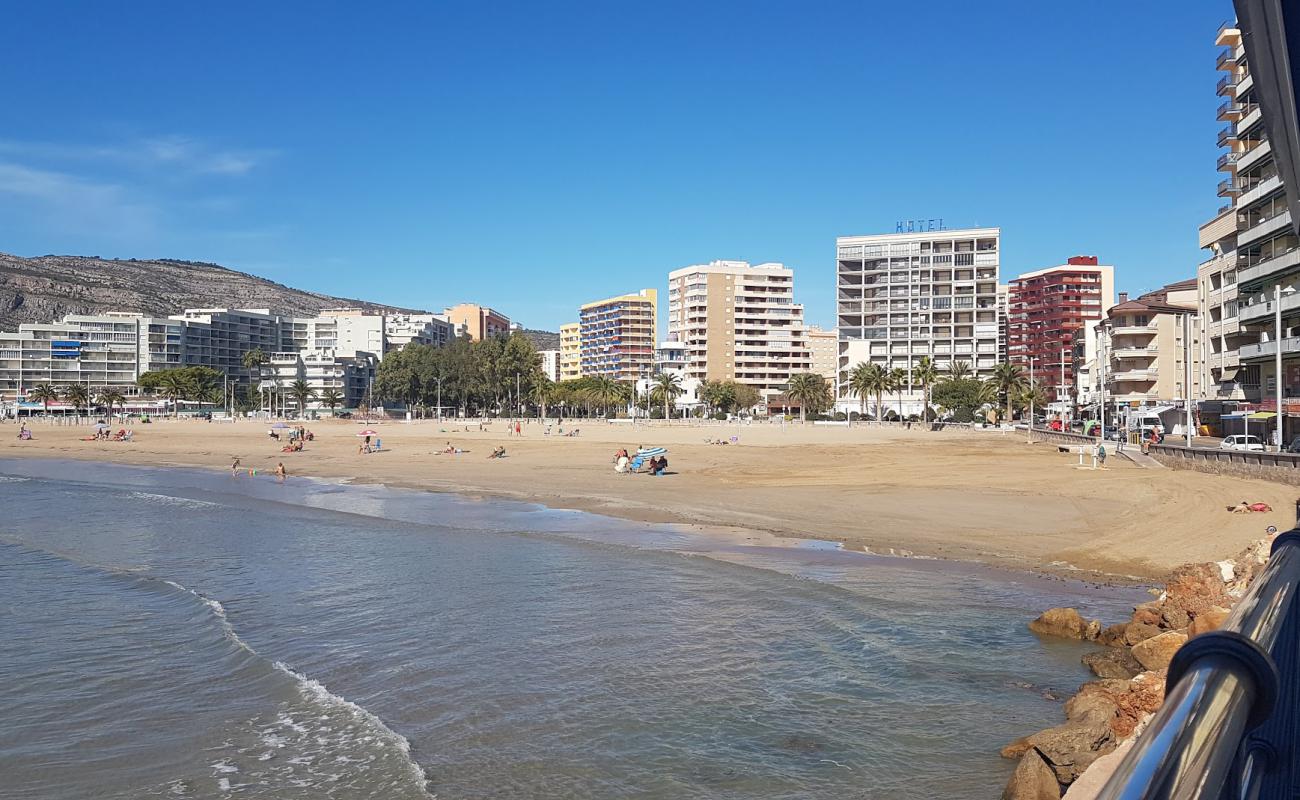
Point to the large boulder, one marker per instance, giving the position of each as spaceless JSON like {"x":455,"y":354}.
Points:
{"x":1143,"y":697}
{"x":1113,"y":662}
{"x":1156,"y":652}
{"x":1071,"y":747}
{"x":1064,"y":623}
{"x":1210,"y":619}
{"x":1192,"y":589}
{"x":1139,"y":631}
{"x":1113,"y":635}
{"x":1032,"y":780}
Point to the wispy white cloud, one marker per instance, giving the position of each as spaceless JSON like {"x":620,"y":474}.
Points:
{"x":174,"y":152}
{"x":65,"y":202}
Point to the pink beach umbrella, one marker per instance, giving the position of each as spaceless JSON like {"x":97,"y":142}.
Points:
{"x":368,"y":432}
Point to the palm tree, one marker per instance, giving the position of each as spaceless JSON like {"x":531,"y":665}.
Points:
{"x":301,"y":392}
{"x":869,"y":379}
{"x":43,"y":393}
{"x":925,"y":374}
{"x":959,"y":371}
{"x":605,"y":391}
{"x":110,"y":398}
{"x":1010,"y":379}
{"x":668,"y":386}
{"x":332,"y":398}
{"x":1031,"y":393}
{"x":898,"y":382}
{"x":253,"y":359}
{"x":718,"y":395}
{"x":543,"y":392}
{"x":174,"y":387}
{"x":78,"y":396}
{"x":810,"y":390}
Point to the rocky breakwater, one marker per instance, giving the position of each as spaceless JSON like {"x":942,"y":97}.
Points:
{"x":1074,"y":759}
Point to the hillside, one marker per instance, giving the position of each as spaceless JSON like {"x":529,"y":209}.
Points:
{"x":48,"y":288}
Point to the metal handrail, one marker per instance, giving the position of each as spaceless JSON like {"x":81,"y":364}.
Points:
{"x":1216,"y":735}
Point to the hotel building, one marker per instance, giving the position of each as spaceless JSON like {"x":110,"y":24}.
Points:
{"x":1048,"y":309}
{"x":479,"y":322}
{"x":739,"y":323}
{"x":902,"y":296}
{"x":570,"y":351}
{"x":618,"y":335}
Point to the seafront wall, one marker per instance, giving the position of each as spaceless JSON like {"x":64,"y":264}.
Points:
{"x":1279,"y":467}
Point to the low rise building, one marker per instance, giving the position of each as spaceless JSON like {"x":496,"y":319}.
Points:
{"x":824,"y":347}
{"x":1150,"y":350}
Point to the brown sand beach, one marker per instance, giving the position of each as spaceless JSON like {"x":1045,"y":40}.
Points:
{"x":987,"y":497}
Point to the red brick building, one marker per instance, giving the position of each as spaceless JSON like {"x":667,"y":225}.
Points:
{"x":1045,"y":309}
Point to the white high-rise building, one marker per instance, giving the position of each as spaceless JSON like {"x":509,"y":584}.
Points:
{"x":901,"y":296}
{"x":739,"y":323}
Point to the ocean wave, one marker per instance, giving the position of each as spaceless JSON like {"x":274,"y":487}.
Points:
{"x":12,"y":479}
{"x":169,"y":500}
{"x":312,"y":690}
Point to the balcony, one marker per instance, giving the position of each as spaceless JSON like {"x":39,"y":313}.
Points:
{"x":1226,"y":84}
{"x":1256,"y":272}
{"x":1228,"y":162}
{"x":1229,"y":188}
{"x":1248,"y":159}
{"x":1143,"y":375}
{"x":1227,"y":60}
{"x":1125,"y":353}
{"x":1266,"y":350}
{"x":1229,"y":35}
{"x":1261,"y":228}
{"x":1261,"y":306}
{"x":1134,"y":330}
{"x":1259,"y":191}
{"x":1227,"y":135}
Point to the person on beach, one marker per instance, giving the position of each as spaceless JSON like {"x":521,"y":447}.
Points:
{"x":379,"y":444}
{"x":234,"y":467}
{"x":499,"y":452}
{"x":280,"y":472}
{"x":519,"y":429}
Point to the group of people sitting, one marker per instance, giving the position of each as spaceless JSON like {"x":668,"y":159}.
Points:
{"x":24,"y":433}
{"x":657,"y":465}
{"x":104,"y":434}
{"x":298,"y":434}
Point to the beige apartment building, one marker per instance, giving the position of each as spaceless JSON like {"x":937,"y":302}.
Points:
{"x":618,"y":335}
{"x":739,"y":323}
{"x":825,"y":348}
{"x":480,"y":322}
{"x":570,"y":351}
{"x":1150,"y":346}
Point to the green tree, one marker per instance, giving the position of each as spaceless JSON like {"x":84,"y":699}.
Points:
{"x":332,"y":398}
{"x":867,"y":380}
{"x":1010,"y":380}
{"x":959,"y":370}
{"x":897,"y":383}
{"x":174,"y":386}
{"x":110,"y":399}
{"x":253,"y":360}
{"x":667,"y":387}
{"x":925,"y":374}
{"x":301,"y":392}
{"x":78,"y":396}
{"x":811,"y":392}
{"x":745,"y":396}
{"x":43,"y":393}
{"x":960,"y":397}
{"x":543,"y":391}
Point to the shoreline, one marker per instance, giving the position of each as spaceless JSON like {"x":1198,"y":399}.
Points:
{"x":987,"y":499}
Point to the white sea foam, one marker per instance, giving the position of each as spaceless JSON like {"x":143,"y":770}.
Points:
{"x":169,"y":500}
{"x":313,"y":690}
{"x":12,"y":479}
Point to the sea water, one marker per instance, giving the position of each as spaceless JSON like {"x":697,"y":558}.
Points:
{"x":178,"y":633}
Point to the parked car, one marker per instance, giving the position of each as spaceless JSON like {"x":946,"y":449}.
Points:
{"x":1294,"y":447}
{"x":1241,"y":441}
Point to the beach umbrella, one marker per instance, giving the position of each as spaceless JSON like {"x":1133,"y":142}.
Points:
{"x":280,"y":425}
{"x":650,"y":452}
{"x":100,"y":426}
{"x":368,"y":432}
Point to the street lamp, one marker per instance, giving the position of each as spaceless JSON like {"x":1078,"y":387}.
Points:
{"x":1278,"y":291}
{"x":1030,"y":426}
{"x":439,"y":380}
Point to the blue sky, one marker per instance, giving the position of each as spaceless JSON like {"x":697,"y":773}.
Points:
{"x":533,"y":156}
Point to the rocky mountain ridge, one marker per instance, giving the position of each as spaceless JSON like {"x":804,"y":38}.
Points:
{"x":47,"y":288}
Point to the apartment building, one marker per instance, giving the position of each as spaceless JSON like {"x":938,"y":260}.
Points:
{"x":348,"y":373}
{"x":1150,"y":348}
{"x":403,"y":329}
{"x":617,"y":335}
{"x":739,"y":322}
{"x":1047,"y":309}
{"x":670,"y":357}
{"x":1266,"y":258}
{"x":480,"y":322}
{"x":570,"y":351}
{"x":825,"y":349}
{"x":550,"y":364}
{"x":1004,"y":304}
{"x":902,"y":296}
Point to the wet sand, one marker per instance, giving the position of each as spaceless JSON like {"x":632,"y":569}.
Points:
{"x":986,"y":497}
